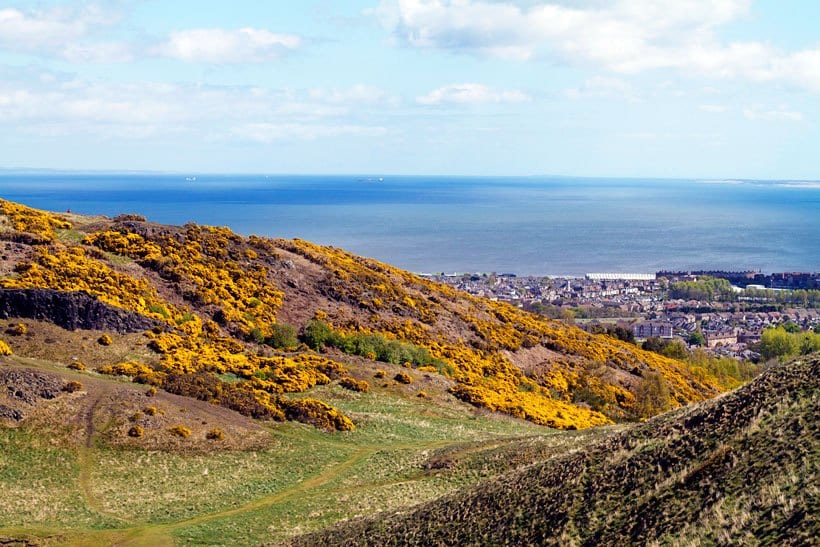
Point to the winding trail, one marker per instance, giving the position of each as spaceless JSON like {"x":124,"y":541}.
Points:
{"x":162,"y":534}
{"x":85,"y":461}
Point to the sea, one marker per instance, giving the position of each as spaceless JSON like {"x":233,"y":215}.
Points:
{"x":559,"y":226}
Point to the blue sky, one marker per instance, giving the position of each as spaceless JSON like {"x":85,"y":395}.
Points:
{"x":664,"y":88}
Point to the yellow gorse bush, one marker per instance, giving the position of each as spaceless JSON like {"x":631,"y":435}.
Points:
{"x":228,"y":282}
{"x":33,"y":221}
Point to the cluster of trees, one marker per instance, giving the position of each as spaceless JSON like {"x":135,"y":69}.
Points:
{"x":711,"y":289}
{"x":674,"y":348}
{"x":318,"y":334}
{"x":786,"y":341}
{"x":578,"y":312}
{"x":706,"y":288}
{"x":615,"y":331}
{"x":728,"y":371}
{"x":800,"y":298}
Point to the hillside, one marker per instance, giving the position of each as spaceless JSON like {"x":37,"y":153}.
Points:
{"x":202,"y":312}
{"x":164,"y":385}
{"x":739,"y":469}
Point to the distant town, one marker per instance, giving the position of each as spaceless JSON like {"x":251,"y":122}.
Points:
{"x":724,"y":312}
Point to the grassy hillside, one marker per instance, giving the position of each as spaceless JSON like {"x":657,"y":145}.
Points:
{"x":220,"y":301}
{"x":740,"y":469}
{"x":165,"y":385}
{"x":72,"y":475}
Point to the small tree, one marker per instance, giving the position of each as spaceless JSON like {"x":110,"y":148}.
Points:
{"x":653,"y":343}
{"x":282,"y":336}
{"x":316,"y":334}
{"x":696,"y":339}
{"x":777,"y":343}
{"x":675,"y":349}
{"x":652,"y":395}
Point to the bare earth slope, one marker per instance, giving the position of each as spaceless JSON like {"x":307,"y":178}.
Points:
{"x":739,"y":469}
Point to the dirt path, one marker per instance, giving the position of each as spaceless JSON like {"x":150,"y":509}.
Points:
{"x":85,"y":459}
{"x":162,"y":534}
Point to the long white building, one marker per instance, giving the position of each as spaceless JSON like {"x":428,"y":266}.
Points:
{"x":620,"y":276}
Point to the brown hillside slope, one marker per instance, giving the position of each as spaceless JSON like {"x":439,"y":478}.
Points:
{"x":739,"y":469}
{"x":219,"y":295}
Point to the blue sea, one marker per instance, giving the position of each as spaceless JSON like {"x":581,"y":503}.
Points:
{"x":522,"y":225}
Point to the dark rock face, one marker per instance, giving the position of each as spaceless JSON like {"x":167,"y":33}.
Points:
{"x":70,"y":310}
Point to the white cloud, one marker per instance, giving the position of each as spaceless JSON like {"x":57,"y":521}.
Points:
{"x":215,"y":45}
{"x":625,"y":36}
{"x":471,"y":93}
{"x":271,"y":132}
{"x":74,"y":35}
{"x":603,"y":87}
{"x":52,"y":106}
{"x":61,"y":32}
{"x":362,"y":94}
{"x":778,"y":114}
{"x":714,"y":108}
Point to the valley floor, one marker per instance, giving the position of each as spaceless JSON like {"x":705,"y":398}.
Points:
{"x":64,"y":482}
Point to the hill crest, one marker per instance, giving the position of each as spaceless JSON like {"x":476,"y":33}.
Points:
{"x":220,"y":300}
{"x":738,"y":469}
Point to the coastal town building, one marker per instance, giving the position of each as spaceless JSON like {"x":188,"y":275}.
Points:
{"x":641,"y":303}
{"x":661,"y":329}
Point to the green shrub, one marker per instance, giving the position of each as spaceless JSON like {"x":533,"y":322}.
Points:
{"x":159,"y":310}
{"x":282,"y":336}
{"x":316,"y":334}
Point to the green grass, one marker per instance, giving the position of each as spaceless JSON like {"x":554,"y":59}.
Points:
{"x":740,"y":469}
{"x":40,"y":485}
{"x":70,"y":236}
{"x":307,"y":479}
{"x":384,"y":469}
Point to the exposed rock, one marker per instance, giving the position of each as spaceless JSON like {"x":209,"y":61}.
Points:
{"x":8,"y":413}
{"x":21,"y":389}
{"x":28,"y":386}
{"x":70,"y":310}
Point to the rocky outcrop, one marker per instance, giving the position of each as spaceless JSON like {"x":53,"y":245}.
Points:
{"x":22,"y":389}
{"x":70,"y":310}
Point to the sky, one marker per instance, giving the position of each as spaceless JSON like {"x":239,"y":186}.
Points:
{"x":621,"y":88}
